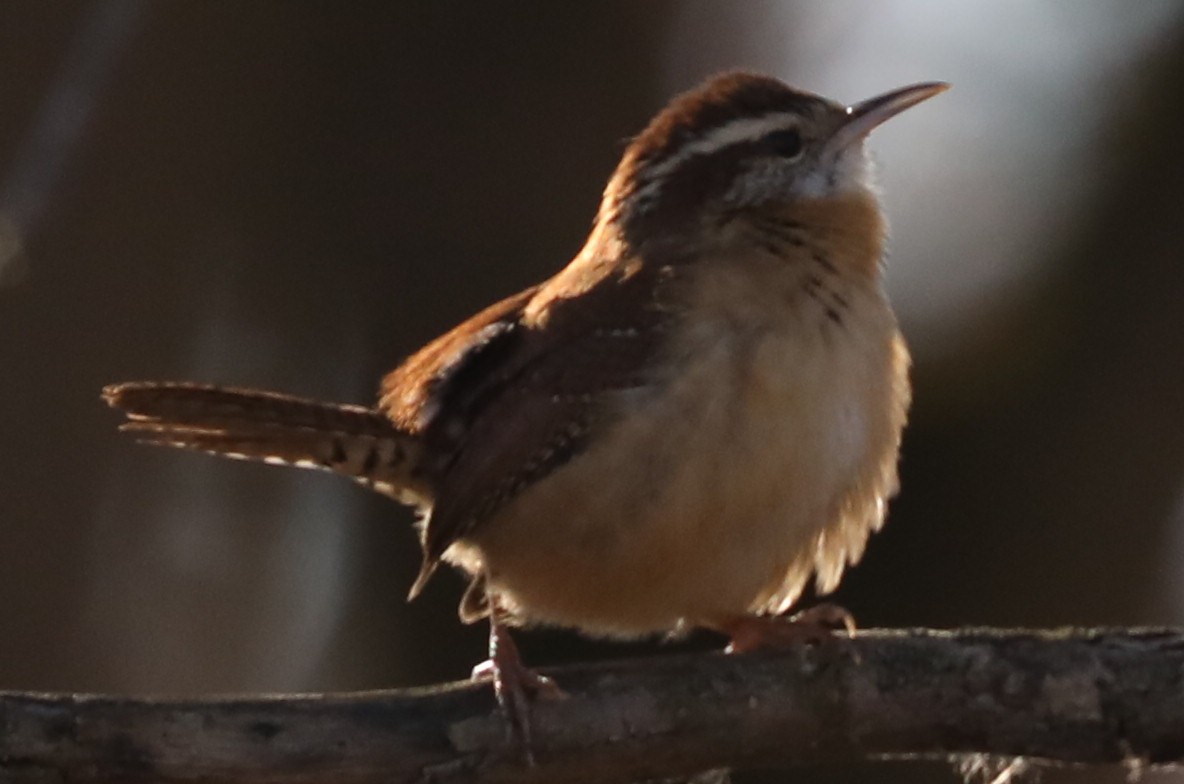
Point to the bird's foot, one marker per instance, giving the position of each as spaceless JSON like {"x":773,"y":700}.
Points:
{"x":516,"y":686}
{"x":813,"y":626}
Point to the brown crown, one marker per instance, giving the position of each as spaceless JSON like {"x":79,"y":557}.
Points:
{"x":711,"y":105}
{"x":667,"y":211}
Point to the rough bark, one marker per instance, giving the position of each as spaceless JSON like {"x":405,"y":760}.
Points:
{"x":1072,"y":696}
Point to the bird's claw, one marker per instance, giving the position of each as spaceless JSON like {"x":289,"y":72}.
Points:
{"x":814,"y":626}
{"x":516,"y":686}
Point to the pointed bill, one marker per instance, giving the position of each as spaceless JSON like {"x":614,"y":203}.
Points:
{"x":865,"y":116}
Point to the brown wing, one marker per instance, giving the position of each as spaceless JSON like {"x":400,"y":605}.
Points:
{"x":525,"y":394}
{"x":446,"y":379}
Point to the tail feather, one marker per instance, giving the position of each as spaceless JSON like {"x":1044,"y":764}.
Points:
{"x":353,"y":441}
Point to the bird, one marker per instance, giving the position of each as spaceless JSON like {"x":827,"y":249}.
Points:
{"x":680,"y":429}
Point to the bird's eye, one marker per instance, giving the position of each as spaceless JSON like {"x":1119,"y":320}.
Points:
{"x":786,"y":143}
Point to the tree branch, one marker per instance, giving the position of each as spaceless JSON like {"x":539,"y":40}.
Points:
{"x":1114,"y":696}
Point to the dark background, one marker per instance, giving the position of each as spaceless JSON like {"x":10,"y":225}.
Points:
{"x":295,"y":196}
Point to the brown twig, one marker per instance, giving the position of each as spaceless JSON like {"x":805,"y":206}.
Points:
{"x":1074,"y":696}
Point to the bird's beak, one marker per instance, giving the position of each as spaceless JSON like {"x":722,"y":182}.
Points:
{"x":864,"y":116}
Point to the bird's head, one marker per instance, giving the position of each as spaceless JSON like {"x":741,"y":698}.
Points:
{"x":742,"y":142}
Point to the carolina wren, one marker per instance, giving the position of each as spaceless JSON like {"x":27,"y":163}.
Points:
{"x":696,"y":414}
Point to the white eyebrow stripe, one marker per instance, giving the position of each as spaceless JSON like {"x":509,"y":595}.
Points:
{"x":734,"y":132}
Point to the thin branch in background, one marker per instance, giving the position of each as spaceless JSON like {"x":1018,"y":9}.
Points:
{"x":1061,"y":697}
{"x":42,"y":156}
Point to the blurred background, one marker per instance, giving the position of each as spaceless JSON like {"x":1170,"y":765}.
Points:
{"x":295,"y":196}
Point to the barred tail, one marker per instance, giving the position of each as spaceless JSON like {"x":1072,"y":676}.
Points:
{"x":246,"y":424}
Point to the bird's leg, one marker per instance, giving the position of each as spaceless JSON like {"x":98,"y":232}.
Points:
{"x":516,"y":686}
{"x":815,"y":625}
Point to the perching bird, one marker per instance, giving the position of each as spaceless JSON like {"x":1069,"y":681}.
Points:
{"x":699,"y":412}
